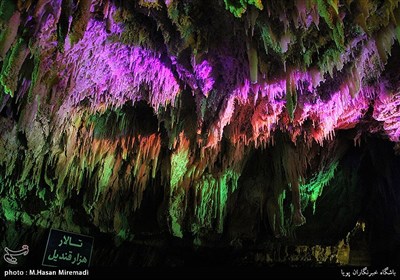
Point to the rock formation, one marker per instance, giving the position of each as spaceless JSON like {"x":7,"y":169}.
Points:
{"x":207,"y":124}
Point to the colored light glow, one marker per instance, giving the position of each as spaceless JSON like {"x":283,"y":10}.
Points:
{"x":129,"y":73}
{"x":212,"y":193}
{"x":122,"y":73}
{"x":179,"y":162}
{"x":313,"y":189}
{"x":9,"y":208}
{"x":106,"y":173}
{"x":238,"y":8}
{"x":203,"y":74}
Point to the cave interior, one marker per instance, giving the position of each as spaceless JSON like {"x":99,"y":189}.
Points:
{"x":187,"y":132}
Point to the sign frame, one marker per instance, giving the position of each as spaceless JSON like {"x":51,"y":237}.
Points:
{"x":70,"y":234}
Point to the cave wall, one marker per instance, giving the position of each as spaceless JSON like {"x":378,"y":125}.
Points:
{"x":195,"y":122}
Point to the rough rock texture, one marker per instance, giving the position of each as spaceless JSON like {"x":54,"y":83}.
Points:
{"x":202,"y":124}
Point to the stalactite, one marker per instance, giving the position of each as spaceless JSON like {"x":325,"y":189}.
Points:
{"x":385,"y":110}
{"x":35,"y":73}
{"x":269,"y":39}
{"x":253,"y":60}
{"x":291,"y":95}
{"x":146,"y":164}
{"x":150,"y":4}
{"x":179,"y":164}
{"x":312,"y":190}
{"x":354,"y":84}
{"x":12,"y":67}
{"x":80,"y":21}
{"x":40,"y":6}
{"x":384,"y":42}
{"x":64,"y":22}
{"x":203,"y":73}
{"x":7,"y":9}
{"x":9,"y":34}
{"x":211,"y":199}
